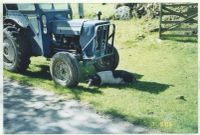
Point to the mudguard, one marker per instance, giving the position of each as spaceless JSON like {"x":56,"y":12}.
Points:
{"x":17,"y":18}
{"x":21,"y":21}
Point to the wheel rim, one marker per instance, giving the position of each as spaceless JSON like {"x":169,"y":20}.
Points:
{"x":8,"y":52}
{"x":105,"y":62}
{"x":61,"y":71}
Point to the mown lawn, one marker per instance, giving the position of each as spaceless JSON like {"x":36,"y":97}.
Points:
{"x":167,"y":70}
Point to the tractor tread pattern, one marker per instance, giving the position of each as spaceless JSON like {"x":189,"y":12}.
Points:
{"x":23,"y":50}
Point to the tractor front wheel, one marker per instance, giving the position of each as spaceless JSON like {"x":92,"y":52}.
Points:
{"x":64,"y":69}
{"x":109,"y":62}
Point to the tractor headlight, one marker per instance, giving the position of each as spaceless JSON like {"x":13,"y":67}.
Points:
{"x":44,"y":23}
{"x":53,"y":37}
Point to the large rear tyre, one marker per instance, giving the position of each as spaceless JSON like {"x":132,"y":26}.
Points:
{"x":64,"y":69}
{"x":16,"y":51}
{"x":108,"y":63}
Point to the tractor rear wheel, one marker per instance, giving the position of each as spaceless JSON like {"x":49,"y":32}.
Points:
{"x":108,"y":63}
{"x":16,"y":51}
{"x":64,"y":69}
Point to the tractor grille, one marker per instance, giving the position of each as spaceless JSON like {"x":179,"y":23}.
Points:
{"x":99,"y":45}
{"x":102,"y":38}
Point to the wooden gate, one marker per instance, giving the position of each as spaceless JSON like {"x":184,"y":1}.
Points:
{"x":178,"y":20}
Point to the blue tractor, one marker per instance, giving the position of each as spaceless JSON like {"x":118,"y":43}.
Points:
{"x":49,"y":30}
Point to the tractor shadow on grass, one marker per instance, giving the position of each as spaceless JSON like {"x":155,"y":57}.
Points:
{"x":151,"y":87}
{"x":43,"y":73}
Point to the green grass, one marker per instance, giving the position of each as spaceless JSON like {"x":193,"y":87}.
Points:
{"x":165,"y":69}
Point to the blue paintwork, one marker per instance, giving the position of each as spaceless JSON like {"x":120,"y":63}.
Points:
{"x":88,"y":31}
{"x":67,"y":27}
{"x":58,"y":22}
{"x":17,"y":17}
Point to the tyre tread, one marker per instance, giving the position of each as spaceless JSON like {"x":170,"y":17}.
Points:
{"x":18,"y":36}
